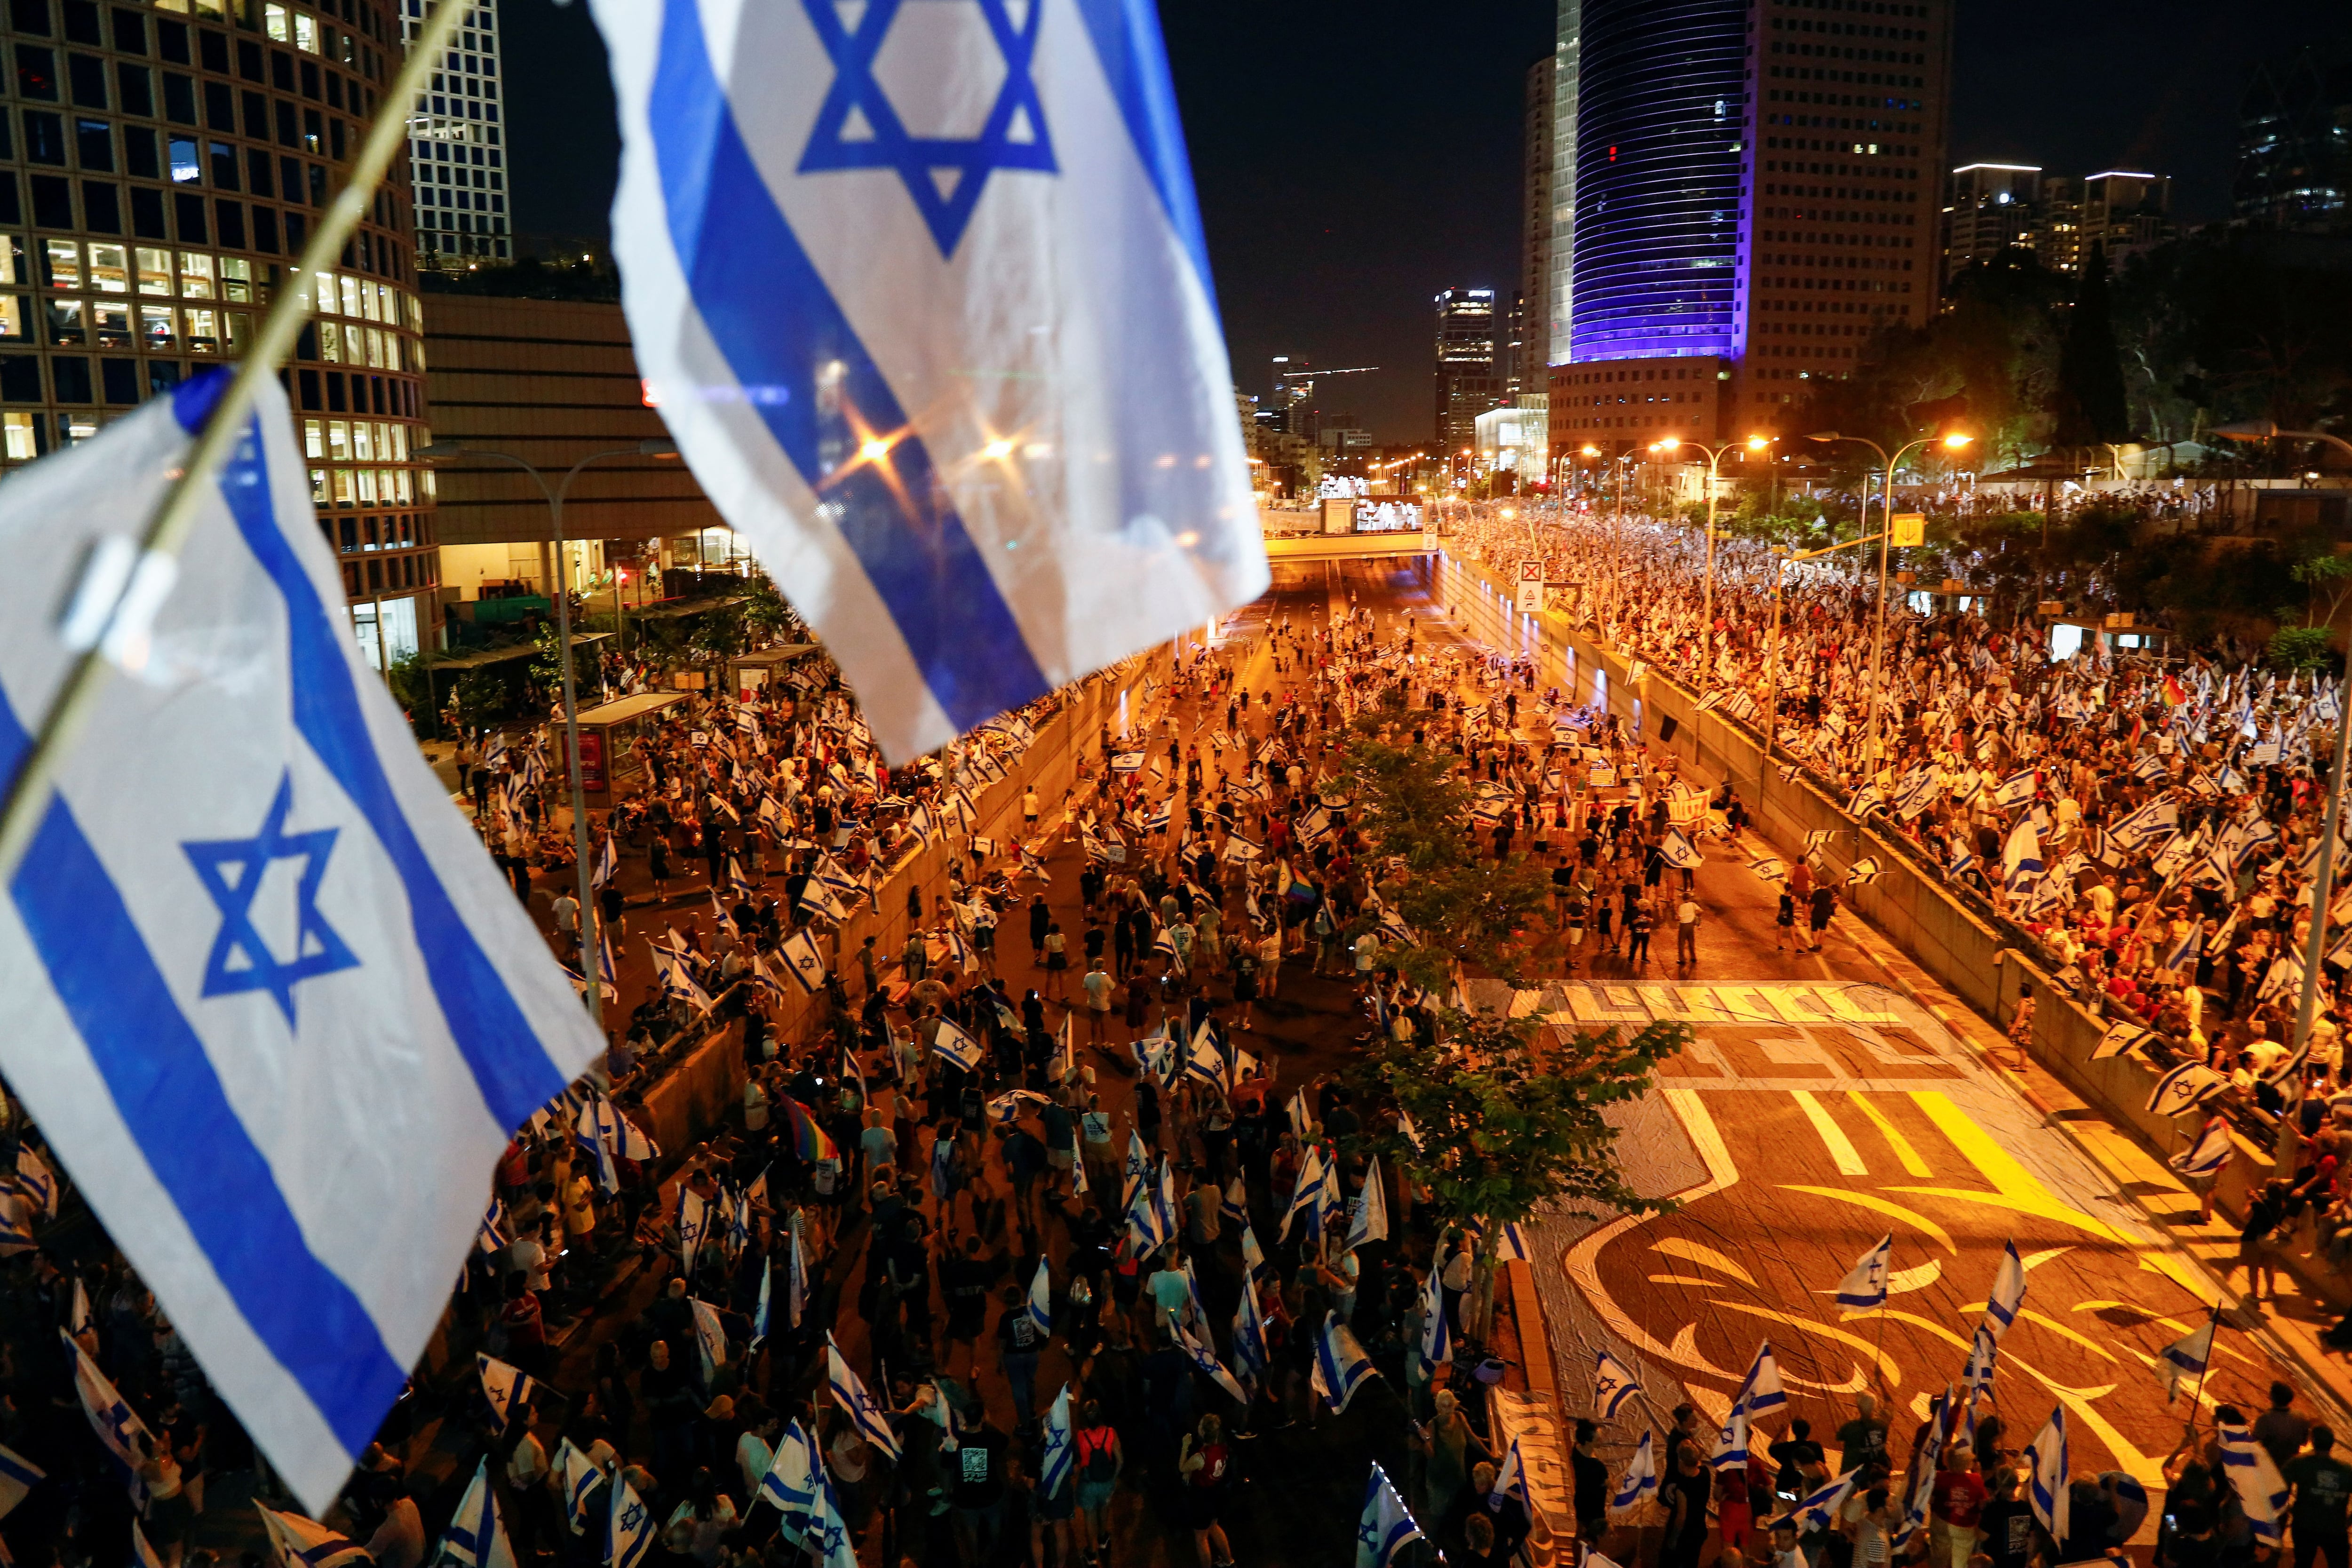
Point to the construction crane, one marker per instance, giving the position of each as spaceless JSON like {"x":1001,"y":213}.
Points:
{"x":1312,"y":374}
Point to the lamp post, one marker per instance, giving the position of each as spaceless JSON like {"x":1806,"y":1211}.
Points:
{"x":658,"y":447}
{"x":2323,"y":875}
{"x":1714,"y":458}
{"x":1953,"y":442}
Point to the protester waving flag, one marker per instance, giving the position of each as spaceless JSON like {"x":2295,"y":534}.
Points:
{"x":1249,"y":1333}
{"x":1204,"y":1357}
{"x":1307,"y":1197}
{"x":2208,"y":1154}
{"x":1679,"y":852}
{"x":2183,"y":1088}
{"x":868,"y":340}
{"x":1822,"y":1510}
{"x":120,"y":1431}
{"x":1371,"y":1217}
{"x":1866,"y":1287}
{"x":952,"y":1044}
{"x":1385,"y":1528}
{"x":1041,"y":1299}
{"x":2254,"y":1477}
{"x":283,"y":1219}
{"x":791,"y":1481}
{"x":2007,"y":1292}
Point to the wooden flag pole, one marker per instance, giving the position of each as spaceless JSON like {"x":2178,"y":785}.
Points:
{"x":167,"y":530}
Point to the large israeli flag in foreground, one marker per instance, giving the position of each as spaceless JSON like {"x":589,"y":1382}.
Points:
{"x":921,"y":288}
{"x":267,"y":995}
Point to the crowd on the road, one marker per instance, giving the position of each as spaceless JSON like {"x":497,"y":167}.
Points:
{"x":2145,"y":818}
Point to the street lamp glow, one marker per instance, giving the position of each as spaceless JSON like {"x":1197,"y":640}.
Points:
{"x":1669,"y":444}
{"x":875,"y":450}
{"x":1954,"y":441}
{"x":1002,"y":450}
{"x":1758,"y":443}
{"x":1590,"y":451}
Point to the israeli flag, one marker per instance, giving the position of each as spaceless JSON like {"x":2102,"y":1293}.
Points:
{"x":952,"y":1044}
{"x":1307,"y":1197}
{"x":709,"y":1337}
{"x":2255,"y":1478}
{"x":504,"y":1387}
{"x":1249,"y":1331}
{"x":2007,"y":1292}
{"x":579,"y":1480}
{"x":1679,"y":852}
{"x":791,"y":1481}
{"x":1371,"y":1219}
{"x":1760,"y":1390}
{"x":1866,"y":1287}
{"x":1641,"y":1477}
{"x":260,"y":961}
{"x":477,"y":1537}
{"x":120,"y":1431}
{"x":872,"y":1422}
{"x":1436,"y":1333}
{"x":1041,"y":1297}
{"x":1385,"y":1528}
{"x":1819,"y":1511}
{"x":18,"y":1476}
{"x":1054,"y":1470}
{"x":895,"y":330}
{"x":2045,"y":1470}
{"x":2185,"y":1360}
{"x":2021,"y":857}
{"x":2208,"y":1154}
{"x":629,"y":1526}
{"x":1612,"y":1384}
{"x":1511,"y":1481}
{"x":2180,"y":1088}
{"x":1730,"y":1451}
{"x":1205,"y":1358}
{"x":1340,"y":1365}
{"x":294,"y":1539}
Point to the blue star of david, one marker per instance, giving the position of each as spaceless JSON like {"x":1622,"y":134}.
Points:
{"x":317,"y":949}
{"x":632,"y":1517}
{"x":857,"y":128}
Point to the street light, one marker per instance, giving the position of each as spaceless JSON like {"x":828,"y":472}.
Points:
{"x":1713,"y":458}
{"x":1952,"y":442}
{"x":656,"y":447}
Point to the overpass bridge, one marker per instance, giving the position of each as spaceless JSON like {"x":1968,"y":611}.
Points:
{"x":1351,"y":546}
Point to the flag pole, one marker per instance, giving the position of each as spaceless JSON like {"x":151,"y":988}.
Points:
{"x":167,"y":529}
{"x":2197,"y":1400}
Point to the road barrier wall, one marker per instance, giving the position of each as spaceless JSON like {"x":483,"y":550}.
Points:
{"x":1909,"y":902}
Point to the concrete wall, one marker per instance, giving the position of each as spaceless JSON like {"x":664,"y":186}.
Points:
{"x":691,"y":1096}
{"x":1909,"y":903}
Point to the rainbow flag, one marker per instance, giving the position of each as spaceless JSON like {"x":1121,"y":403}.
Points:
{"x":2175,"y":694}
{"x":809,"y":1140}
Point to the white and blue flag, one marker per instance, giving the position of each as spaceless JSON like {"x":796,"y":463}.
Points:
{"x":2046,"y":1470}
{"x":2208,"y":1154}
{"x":1641,"y":1477}
{"x":477,"y":1536}
{"x":1340,"y":1365}
{"x":1041,"y":1297}
{"x":629,"y":1526}
{"x":873,"y":1423}
{"x":120,"y":1431}
{"x":1866,"y":1287}
{"x":299,"y":1543}
{"x":271,"y":1003}
{"x":1385,"y":1528}
{"x":791,"y":1481}
{"x":504,"y":1388}
{"x":2007,"y":1292}
{"x":18,"y":1476}
{"x":1612,"y":1384}
{"x":891,"y":271}
{"x":2185,"y":1360}
{"x":1061,"y":1449}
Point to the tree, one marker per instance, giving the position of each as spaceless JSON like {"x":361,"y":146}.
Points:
{"x":2088,"y":405}
{"x":1412,"y":807}
{"x":2330,"y":574}
{"x":1503,"y":1123}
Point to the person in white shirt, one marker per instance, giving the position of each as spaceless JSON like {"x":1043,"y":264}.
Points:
{"x":755,"y":1451}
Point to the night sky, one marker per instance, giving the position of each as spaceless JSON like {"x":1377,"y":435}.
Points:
{"x":1353,"y":160}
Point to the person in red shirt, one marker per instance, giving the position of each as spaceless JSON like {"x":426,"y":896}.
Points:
{"x":1953,"y":1507}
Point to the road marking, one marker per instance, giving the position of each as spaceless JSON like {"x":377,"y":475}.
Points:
{"x":1841,"y":1147}
{"x":1705,"y":1256}
{"x":1879,"y":1358}
{"x":2016,"y":1188}
{"x":1699,"y":1280}
{"x":1882,"y":1205}
{"x":1904,"y":1152}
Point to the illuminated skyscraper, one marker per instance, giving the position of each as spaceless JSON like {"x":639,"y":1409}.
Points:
{"x":1469,"y":382}
{"x":457,"y":144}
{"x":1757,"y":192}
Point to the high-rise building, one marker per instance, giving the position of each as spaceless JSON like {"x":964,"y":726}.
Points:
{"x":1988,"y":208}
{"x":1757,"y":191}
{"x":1468,"y":381}
{"x":2058,"y":226}
{"x":457,"y":143}
{"x":165,"y":166}
{"x":2295,"y":143}
{"x":1559,"y":291}
{"x":1532,"y":335}
{"x":2127,"y":213}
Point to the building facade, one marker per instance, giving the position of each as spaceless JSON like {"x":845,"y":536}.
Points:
{"x":2129,"y":214}
{"x":1568,"y":52}
{"x":1531,"y":336}
{"x":1988,"y":208}
{"x":552,"y":382}
{"x":2295,"y":143}
{"x":1469,"y":380}
{"x":1757,"y":192}
{"x":457,"y":144}
{"x":161,"y":167}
